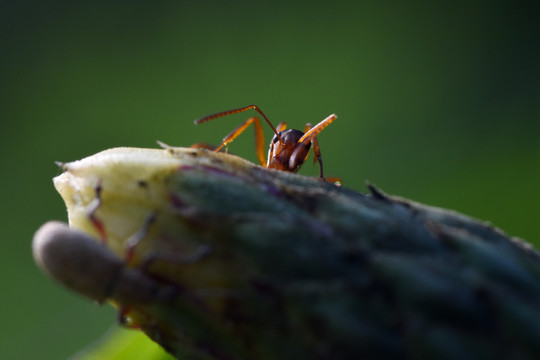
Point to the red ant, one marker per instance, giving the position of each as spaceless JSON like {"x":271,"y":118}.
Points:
{"x":289,"y":148}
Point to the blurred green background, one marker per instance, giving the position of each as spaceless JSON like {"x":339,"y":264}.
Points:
{"x":437,"y":103}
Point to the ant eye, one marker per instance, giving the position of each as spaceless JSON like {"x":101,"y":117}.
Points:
{"x":275,"y":139}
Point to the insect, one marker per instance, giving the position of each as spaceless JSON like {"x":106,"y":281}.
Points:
{"x":289,"y":148}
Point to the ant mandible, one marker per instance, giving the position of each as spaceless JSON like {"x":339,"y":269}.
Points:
{"x":289,"y":148}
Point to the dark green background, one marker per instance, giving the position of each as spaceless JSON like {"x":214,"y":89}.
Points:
{"x":438,"y":103}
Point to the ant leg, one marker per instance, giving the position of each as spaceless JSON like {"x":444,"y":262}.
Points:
{"x":259,"y":137}
{"x":309,"y":136}
{"x":92,"y":209}
{"x":202,"y":146}
{"x":316,"y":151}
{"x":281,"y":126}
{"x":317,"y":157}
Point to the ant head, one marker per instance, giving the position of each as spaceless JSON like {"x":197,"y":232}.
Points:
{"x":286,"y":153}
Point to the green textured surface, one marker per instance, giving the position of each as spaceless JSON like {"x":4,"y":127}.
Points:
{"x":296,"y":268}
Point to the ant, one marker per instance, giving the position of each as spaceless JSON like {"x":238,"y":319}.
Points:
{"x":289,"y":148}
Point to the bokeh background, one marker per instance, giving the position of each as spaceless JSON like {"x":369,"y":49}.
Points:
{"x":439,"y":103}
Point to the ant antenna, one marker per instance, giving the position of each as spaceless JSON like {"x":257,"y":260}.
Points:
{"x":235,"y":111}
